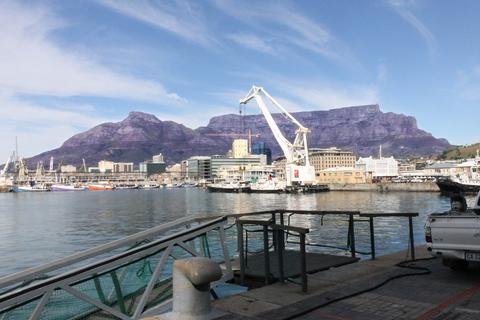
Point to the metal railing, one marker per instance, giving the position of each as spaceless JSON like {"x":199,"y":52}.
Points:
{"x":126,"y":285}
{"x":284,"y":217}
{"x":131,"y":278}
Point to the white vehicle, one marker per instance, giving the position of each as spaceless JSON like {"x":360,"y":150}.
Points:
{"x":455,"y":235}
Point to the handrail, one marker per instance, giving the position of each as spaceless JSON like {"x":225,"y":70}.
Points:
{"x":31,"y":273}
{"x":378,"y":214}
{"x":106,"y":261}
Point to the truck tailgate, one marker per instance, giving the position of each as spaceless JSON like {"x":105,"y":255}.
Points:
{"x":455,"y":232}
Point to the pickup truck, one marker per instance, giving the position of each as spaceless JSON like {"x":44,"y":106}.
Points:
{"x":455,"y":235}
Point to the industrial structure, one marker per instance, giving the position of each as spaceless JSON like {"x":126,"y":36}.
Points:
{"x":298,"y":170}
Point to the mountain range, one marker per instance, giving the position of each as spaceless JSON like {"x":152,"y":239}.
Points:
{"x":361,"y":129}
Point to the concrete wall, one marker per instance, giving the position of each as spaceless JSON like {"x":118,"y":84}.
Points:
{"x":386,"y":186}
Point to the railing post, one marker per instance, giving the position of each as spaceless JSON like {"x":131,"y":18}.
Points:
{"x":266,"y":254}
{"x":274,"y":235}
{"x":241,"y":252}
{"x":412,"y":244}
{"x":352,"y":235}
{"x":303,"y":262}
{"x":281,"y":248}
{"x":372,"y":238}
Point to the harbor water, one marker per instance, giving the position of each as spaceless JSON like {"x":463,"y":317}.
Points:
{"x":36,"y":228}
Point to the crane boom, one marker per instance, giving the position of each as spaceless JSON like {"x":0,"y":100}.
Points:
{"x":298,"y":168}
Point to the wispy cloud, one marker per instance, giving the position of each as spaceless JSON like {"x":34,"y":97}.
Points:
{"x":251,"y":41}
{"x":404,"y":8}
{"x":468,"y":83}
{"x":323,"y":97}
{"x":286,"y":26}
{"x":33,"y":65}
{"x":382,"y":72}
{"x":306,"y":94}
{"x":177,"y":17}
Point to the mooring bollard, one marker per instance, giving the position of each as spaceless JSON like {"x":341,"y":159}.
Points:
{"x":191,"y":288}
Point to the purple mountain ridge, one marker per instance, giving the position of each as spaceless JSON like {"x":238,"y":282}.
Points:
{"x":361,"y":129}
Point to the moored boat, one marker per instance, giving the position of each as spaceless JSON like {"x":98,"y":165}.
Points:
{"x":268,"y":186}
{"x":34,"y":188}
{"x":449,"y":186}
{"x":230,"y":187}
{"x":67,"y":187}
{"x":99,"y":187}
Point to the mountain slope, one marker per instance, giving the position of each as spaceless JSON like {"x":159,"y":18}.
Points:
{"x":361,"y":129}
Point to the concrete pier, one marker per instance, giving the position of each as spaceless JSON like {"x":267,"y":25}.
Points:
{"x":442,"y":294}
{"x":386,"y":187}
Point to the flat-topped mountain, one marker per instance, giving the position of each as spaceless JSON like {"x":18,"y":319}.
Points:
{"x":361,"y":129}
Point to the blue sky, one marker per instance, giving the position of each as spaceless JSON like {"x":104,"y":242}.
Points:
{"x":66,"y":66}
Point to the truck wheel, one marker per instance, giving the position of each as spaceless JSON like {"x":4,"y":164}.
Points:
{"x":455,"y":264}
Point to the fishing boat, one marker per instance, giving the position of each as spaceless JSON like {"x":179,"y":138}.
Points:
{"x":26,"y":188}
{"x":230,"y":187}
{"x":67,"y":187}
{"x":99,"y":187}
{"x":149,"y":186}
{"x":126,"y":186}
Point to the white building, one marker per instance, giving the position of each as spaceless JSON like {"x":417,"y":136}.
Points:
{"x":382,"y":167}
{"x":158,"y":158}
{"x":68,"y":168}
{"x":240,"y":148}
{"x":105,"y":166}
{"x":123,"y":167}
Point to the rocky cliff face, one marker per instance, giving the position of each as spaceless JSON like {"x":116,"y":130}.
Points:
{"x":361,"y":129}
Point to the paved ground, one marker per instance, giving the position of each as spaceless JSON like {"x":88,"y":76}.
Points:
{"x":443,"y":295}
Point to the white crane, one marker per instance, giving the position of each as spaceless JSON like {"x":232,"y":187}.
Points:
{"x":298,"y":169}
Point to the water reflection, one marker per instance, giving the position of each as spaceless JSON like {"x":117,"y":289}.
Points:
{"x":38,"y":227}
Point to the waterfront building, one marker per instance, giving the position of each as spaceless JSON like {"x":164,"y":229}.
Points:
{"x":223,"y":161}
{"x":173,"y":173}
{"x":68,"y":168}
{"x":240,"y":148}
{"x":333,"y":157}
{"x":346,"y":175}
{"x":198,"y":167}
{"x":122,"y":167}
{"x":105,"y":166}
{"x":151,"y":168}
{"x":158,"y":158}
{"x":93,"y":170}
{"x":321,"y":159}
{"x":445,"y":168}
{"x":249,"y":172}
{"x":382,"y":167}
{"x":261,"y":148}
{"x":207,"y":167}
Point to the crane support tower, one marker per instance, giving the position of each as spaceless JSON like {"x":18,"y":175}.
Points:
{"x":298,"y":170}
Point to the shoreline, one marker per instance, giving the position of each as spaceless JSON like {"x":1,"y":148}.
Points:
{"x":386,"y":187}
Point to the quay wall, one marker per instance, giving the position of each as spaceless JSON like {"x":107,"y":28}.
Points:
{"x":386,"y":187}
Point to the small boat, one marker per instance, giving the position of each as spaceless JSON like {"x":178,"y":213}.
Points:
{"x":126,"y":186}
{"x":99,"y":187}
{"x":34,"y":188}
{"x":230,"y":187}
{"x":67,"y":187}
{"x":149,"y":186}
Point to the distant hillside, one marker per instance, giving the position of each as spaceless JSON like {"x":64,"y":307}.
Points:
{"x":361,"y":129}
{"x":460,"y":152}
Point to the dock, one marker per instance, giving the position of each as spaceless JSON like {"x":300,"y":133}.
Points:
{"x":131,"y":278}
{"x":437,"y":292}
